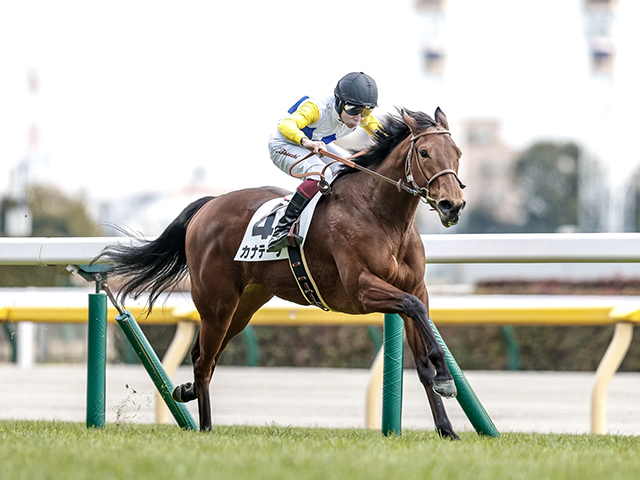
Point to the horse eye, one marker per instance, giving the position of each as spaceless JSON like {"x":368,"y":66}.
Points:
{"x":424,"y":153}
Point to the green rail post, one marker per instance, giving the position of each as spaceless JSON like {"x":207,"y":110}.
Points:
{"x":251,"y":343}
{"x":393,"y":345}
{"x":376,"y":337}
{"x":513,"y":347}
{"x":10,"y":335}
{"x":466,"y":397}
{"x":154,"y":368}
{"x":96,"y":359}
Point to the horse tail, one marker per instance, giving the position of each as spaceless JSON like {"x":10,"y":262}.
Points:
{"x":152,"y":265}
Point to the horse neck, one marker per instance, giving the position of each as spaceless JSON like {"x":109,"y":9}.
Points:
{"x":397,"y":207}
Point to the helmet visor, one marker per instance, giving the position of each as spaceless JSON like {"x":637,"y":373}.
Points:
{"x":353,"y":110}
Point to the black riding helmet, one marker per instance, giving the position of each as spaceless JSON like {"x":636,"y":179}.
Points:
{"x":356,"y":89}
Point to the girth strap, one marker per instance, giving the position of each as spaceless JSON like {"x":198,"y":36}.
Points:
{"x":305,"y":282}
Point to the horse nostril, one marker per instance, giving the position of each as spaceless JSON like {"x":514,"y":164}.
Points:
{"x":445,"y":206}
{"x":464,"y":204}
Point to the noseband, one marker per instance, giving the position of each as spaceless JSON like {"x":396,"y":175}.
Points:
{"x":417,"y":190}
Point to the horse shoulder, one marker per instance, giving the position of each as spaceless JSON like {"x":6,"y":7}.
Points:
{"x":411,"y":258}
{"x":358,"y":261}
{"x":366,"y":251}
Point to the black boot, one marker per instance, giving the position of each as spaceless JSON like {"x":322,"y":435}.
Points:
{"x":280,"y":239}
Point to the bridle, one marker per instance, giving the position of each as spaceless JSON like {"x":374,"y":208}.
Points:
{"x":423,"y":192}
{"x":409,"y":185}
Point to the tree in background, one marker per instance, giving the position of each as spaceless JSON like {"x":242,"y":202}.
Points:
{"x":547,"y":176}
{"x":480,"y":219}
{"x":54,"y":214}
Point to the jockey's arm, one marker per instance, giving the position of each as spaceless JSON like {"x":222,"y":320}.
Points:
{"x":291,"y":127}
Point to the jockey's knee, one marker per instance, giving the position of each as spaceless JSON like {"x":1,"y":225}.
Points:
{"x":308,"y":188}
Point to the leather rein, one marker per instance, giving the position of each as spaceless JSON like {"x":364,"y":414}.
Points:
{"x":410,"y":186}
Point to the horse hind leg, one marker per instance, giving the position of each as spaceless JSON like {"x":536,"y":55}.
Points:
{"x":213,"y":330}
{"x":187,"y":391}
{"x":426,"y":374}
{"x":253,"y":297}
{"x":215,"y":319}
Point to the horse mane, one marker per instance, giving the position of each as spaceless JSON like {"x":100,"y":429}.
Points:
{"x":392,"y":131}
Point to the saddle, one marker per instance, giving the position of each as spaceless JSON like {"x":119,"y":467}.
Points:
{"x":253,"y":247}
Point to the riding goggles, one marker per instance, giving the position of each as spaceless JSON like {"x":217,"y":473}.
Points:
{"x":353,"y":110}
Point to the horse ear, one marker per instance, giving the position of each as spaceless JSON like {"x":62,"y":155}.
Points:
{"x":441,"y":118}
{"x":411,"y":123}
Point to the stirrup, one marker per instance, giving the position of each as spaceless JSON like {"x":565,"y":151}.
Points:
{"x":277,"y":244}
{"x":288,"y":239}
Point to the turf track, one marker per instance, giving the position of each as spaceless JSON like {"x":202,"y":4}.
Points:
{"x":57,"y":450}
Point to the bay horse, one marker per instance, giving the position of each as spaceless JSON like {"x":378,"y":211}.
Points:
{"x":363,"y":250}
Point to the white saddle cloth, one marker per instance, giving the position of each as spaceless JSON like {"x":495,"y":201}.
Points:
{"x":260,"y":229}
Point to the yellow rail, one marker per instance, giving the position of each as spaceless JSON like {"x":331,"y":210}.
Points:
{"x":78,"y":314}
{"x":300,"y":315}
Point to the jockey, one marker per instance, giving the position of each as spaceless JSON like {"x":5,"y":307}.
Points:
{"x":310,"y":125}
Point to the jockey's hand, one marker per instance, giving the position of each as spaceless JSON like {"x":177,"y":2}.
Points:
{"x":313,"y":146}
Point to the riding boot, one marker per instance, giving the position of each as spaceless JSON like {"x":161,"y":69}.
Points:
{"x":280,"y":237}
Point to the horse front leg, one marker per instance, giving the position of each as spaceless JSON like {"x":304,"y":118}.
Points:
{"x":426,"y":373}
{"x":376,"y":295}
{"x":443,"y":383}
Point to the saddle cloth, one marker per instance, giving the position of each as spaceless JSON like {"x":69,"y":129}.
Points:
{"x":253,"y":247}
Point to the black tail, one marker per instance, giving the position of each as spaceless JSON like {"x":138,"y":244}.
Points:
{"x":152,"y":266}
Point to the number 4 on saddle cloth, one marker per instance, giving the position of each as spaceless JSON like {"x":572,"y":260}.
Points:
{"x":258,"y":234}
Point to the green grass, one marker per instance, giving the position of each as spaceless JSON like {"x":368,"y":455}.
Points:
{"x":43,"y":450}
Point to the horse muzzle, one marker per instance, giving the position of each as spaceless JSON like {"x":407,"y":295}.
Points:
{"x":449,"y":212}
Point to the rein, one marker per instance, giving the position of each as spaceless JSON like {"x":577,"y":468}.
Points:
{"x":409,"y":186}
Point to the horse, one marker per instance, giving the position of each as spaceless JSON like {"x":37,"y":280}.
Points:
{"x":363,"y":249}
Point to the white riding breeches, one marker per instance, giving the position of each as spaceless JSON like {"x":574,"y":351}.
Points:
{"x":285,"y":154}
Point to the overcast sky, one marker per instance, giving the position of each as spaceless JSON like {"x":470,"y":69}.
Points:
{"x":138,"y":95}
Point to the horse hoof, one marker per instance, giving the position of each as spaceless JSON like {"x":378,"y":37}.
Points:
{"x":448,"y":435}
{"x":446,"y":389}
{"x":177,"y":392}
